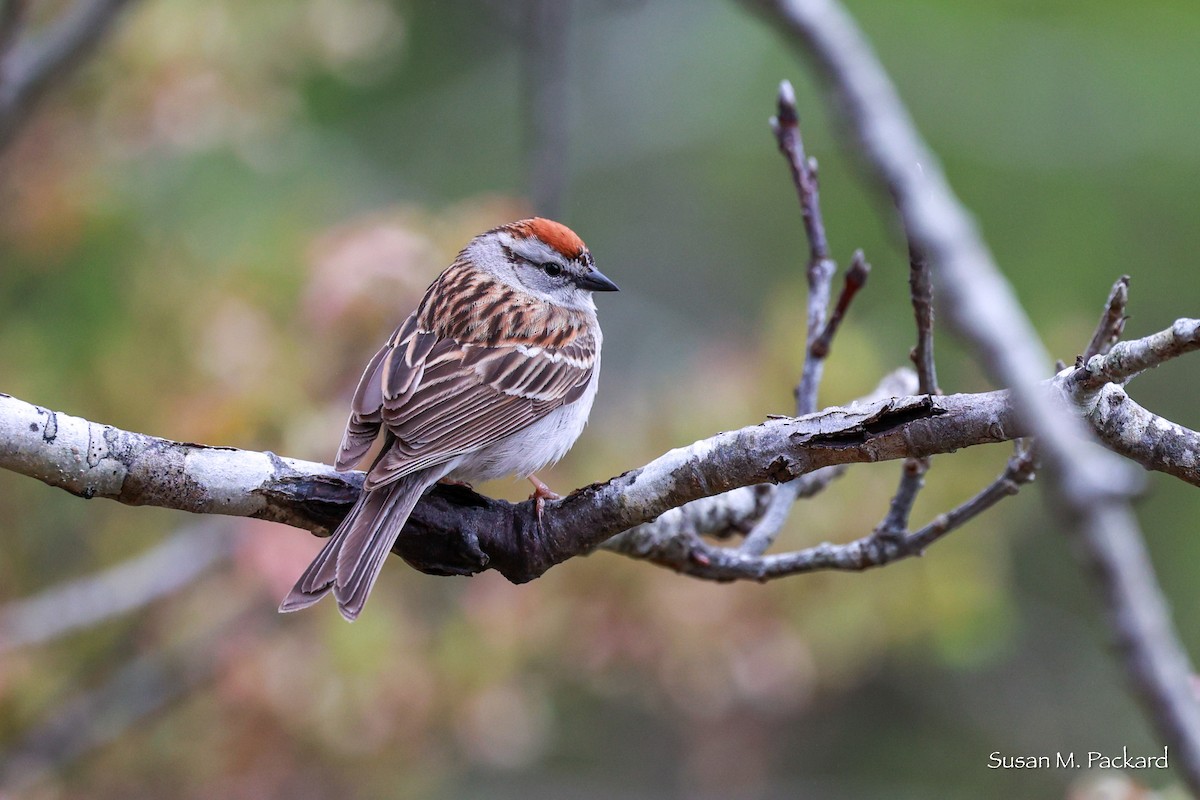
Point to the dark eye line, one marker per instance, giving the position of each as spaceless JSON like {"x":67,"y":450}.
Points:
{"x":551,"y":268}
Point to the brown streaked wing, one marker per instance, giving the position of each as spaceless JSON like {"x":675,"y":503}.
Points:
{"x":365,"y":419}
{"x":472,"y":396}
{"x":402,"y":370}
{"x":389,"y":374}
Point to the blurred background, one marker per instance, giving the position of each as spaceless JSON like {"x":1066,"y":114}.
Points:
{"x":208,"y":229}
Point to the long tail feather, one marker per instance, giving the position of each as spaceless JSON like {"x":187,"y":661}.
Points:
{"x":350,"y":562}
{"x":317,"y":580}
{"x":365,"y":550}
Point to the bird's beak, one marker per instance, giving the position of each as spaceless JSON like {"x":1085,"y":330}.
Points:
{"x":595,"y":281}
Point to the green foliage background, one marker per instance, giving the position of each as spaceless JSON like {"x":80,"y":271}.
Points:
{"x":209,"y":230}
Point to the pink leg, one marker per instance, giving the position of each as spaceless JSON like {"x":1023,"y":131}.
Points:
{"x":541,"y":493}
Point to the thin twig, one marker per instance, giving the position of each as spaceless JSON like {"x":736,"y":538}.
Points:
{"x":34,"y":65}
{"x":819,"y":273}
{"x":921,"y":289}
{"x":1112,"y":321}
{"x":912,"y":476}
{"x":912,"y":480}
{"x":742,"y":511}
{"x":546,"y":62}
{"x":786,"y":127}
{"x":820,"y":268}
{"x":856,"y":278}
{"x":1021,"y":469}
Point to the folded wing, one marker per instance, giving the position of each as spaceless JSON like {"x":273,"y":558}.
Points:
{"x":440,"y":398}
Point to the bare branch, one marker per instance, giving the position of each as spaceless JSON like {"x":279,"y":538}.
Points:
{"x":856,"y":278}
{"x":31,"y":67}
{"x":1122,"y":425}
{"x":912,"y":480}
{"x":1090,"y":489}
{"x":691,"y":555}
{"x":896,"y":384}
{"x":912,"y":477}
{"x":1112,"y":321}
{"x":454,"y":530}
{"x":1126,"y":359}
{"x":820,"y":268}
{"x":921,"y":290}
{"x":786,"y":127}
{"x":1020,"y":470}
{"x":164,"y":569}
{"x":93,"y":460}
{"x":720,"y":516}
{"x":819,"y":275}
{"x":741,"y":510}
{"x":1142,"y":436}
{"x":975,"y":297}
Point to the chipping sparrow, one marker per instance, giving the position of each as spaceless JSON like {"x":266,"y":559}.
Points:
{"x":493,"y":374}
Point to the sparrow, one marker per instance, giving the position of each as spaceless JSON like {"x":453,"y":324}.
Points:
{"x":493,"y":374}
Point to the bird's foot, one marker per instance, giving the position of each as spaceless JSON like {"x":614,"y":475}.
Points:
{"x":541,"y":493}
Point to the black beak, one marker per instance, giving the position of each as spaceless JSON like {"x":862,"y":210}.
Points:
{"x":595,"y":281}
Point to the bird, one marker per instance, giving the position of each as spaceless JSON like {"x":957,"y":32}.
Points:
{"x":493,"y":374}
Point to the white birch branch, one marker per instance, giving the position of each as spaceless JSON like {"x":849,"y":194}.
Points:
{"x":455,"y":530}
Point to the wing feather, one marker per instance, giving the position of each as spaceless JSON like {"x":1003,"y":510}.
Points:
{"x":457,"y":397}
{"x":473,"y":408}
{"x":365,"y":420}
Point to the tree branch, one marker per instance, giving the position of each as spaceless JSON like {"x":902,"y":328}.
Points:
{"x":856,"y":278}
{"x":93,"y":460}
{"x":165,"y":568}
{"x":746,"y":510}
{"x":1112,"y":321}
{"x":912,"y":477}
{"x":1125,"y":360}
{"x":818,"y":273}
{"x":1142,"y":436}
{"x":31,"y":67}
{"x":689,"y":554}
{"x":921,"y":291}
{"x":1090,"y":490}
{"x":456,"y":531}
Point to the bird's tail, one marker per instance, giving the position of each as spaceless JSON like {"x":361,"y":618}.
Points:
{"x":351,"y":560}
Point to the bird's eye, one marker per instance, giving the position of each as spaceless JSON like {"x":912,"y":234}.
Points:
{"x":551,"y":269}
